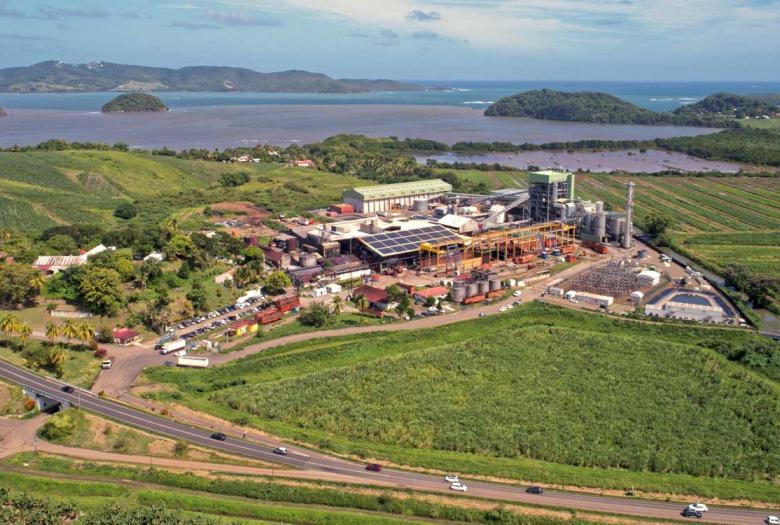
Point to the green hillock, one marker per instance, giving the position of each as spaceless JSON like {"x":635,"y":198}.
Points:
{"x":134,"y":103}
{"x":728,"y":105}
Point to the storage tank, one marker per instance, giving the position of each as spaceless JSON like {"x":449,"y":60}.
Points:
{"x":616,"y":227}
{"x":472,"y":289}
{"x":459,"y":293}
{"x":495,"y":284}
{"x":600,"y":225}
{"x":420,"y":205}
{"x":292,"y":244}
{"x":599,"y":207}
{"x":308,"y":260}
{"x":484,"y":286}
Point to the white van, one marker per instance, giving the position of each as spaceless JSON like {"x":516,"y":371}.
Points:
{"x":107,"y":364}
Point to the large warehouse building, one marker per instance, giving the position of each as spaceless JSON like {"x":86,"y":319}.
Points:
{"x":385,"y":197}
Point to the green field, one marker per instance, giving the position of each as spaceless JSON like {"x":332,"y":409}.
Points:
{"x":41,"y":188}
{"x":550,"y":395}
{"x":251,"y":500}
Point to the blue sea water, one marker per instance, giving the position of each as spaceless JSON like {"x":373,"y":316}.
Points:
{"x":658,"y":96}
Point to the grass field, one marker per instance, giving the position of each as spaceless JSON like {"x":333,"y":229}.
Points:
{"x":262,"y":500}
{"x":40,"y":189}
{"x":565,"y":397}
{"x":81,"y":367}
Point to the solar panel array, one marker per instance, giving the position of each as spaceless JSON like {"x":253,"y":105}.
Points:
{"x":400,"y":242}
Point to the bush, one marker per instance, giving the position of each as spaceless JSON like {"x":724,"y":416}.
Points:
{"x":60,"y":426}
{"x":101,"y":353}
{"x":126,"y":211}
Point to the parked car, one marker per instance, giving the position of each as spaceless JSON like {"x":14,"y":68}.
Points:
{"x":282,"y":451}
{"x":374,"y":467}
{"x":502,"y":309}
{"x":460,"y":487}
{"x":535,"y":489}
{"x":219,"y":436}
{"x":482,"y":314}
{"x":517,"y":293}
{"x":170,"y":363}
{"x":180,"y":353}
{"x":772,"y":520}
{"x":691,"y":513}
{"x":701,"y":507}
{"x":451,"y":478}
{"x":67,"y":389}
{"x":106,"y":364}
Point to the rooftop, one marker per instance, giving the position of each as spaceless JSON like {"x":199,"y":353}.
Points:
{"x":549,"y":176}
{"x":401,"y":189}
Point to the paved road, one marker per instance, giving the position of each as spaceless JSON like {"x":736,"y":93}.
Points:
{"x":312,"y":461}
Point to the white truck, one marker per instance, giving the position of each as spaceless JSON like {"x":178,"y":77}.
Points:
{"x":172,"y":346}
{"x":193,"y":361}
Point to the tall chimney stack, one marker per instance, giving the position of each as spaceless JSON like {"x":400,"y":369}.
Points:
{"x":629,"y":233}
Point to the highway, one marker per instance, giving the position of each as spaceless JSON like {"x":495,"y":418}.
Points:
{"x":312,"y":461}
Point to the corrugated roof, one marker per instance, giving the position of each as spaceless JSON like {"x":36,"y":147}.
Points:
{"x":402,"y":189}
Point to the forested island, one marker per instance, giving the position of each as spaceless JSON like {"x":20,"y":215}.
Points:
{"x":134,"y":103}
{"x":2,"y":112}
{"x":59,"y":77}
{"x":719,"y":110}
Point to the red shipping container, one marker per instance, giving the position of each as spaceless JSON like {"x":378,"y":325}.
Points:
{"x":475,"y":299}
{"x":571,"y":258}
{"x":568,"y":249}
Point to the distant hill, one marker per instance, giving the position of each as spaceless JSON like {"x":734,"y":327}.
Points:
{"x":728,"y":105}
{"x":134,"y":103}
{"x":591,"y":106}
{"x":53,"y":76}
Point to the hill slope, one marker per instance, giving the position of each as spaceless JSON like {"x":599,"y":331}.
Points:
{"x":39,"y":189}
{"x":727,"y":105}
{"x":590,"y":106}
{"x":52,"y":76}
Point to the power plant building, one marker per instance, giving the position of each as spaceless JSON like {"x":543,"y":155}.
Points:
{"x":385,"y":197}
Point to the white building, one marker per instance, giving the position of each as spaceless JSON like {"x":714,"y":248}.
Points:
{"x":649,"y":277}
{"x":385,"y":197}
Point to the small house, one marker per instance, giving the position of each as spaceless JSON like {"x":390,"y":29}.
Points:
{"x":126,"y":336}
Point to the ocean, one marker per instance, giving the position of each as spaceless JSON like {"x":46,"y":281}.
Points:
{"x":448,"y":111}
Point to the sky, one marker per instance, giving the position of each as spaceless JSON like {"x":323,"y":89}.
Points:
{"x":587,"y":40}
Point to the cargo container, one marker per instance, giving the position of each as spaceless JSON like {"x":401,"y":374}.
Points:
{"x":475,"y":299}
{"x":172,"y":346}
{"x":495,"y":293}
{"x":571,"y":258}
{"x":596,"y":247}
{"x":525,"y":258}
{"x":568,"y":249}
{"x":287,"y":303}
{"x":193,"y":361}
{"x":268,"y":316}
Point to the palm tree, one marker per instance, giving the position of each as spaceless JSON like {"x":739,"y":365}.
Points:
{"x":10,"y":324}
{"x":86,"y":332}
{"x":70,"y":330}
{"x":56,"y":358}
{"x":52,"y":331}
{"x":338,"y":305}
{"x":5,"y":236}
{"x":24,"y":332}
{"x":37,"y":281}
{"x":362,"y":303}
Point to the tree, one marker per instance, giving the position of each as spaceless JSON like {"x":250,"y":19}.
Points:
{"x":69,"y":330}
{"x":394,"y":293}
{"x":362,"y":303}
{"x":126,"y":211}
{"x":52,"y":331}
{"x":657,"y":223}
{"x":179,"y":247}
{"x":99,"y":290}
{"x":150,"y":270}
{"x":337,"y":305}
{"x":277,"y":282}
{"x":19,"y":285}
{"x":403,"y":305}
{"x":55,"y":359}
{"x":253,"y":253}
{"x":85,"y":332}
{"x":430,"y":301}
{"x":317,"y":314}
{"x":198,"y":296}
{"x":24,"y":332}
{"x":10,"y":324}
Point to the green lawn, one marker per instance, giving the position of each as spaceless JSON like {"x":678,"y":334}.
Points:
{"x":81,"y":367}
{"x":550,"y":395}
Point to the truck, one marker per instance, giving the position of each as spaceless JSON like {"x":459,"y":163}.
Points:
{"x":172,"y":346}
{"x":193,"y":361}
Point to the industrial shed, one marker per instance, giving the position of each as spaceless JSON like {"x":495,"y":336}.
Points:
{"x":384,"y":197}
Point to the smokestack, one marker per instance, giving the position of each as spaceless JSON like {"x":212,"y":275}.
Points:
{"x":629,"y":232}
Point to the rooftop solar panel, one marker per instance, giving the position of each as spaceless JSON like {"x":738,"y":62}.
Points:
{"x":400,"y":242}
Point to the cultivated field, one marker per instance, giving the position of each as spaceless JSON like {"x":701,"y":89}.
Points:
{"x":549,"y":395}
{"x":41,"y":189}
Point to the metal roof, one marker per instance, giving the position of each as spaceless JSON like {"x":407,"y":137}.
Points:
{"x":402,"y":242}
{"x":402,"y":189}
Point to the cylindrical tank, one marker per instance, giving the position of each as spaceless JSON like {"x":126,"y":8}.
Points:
{"x":600,"y":227}
{"x":484,"y":286}
{"x":292,"y":245}
{"x":599,"y":207}
{"x":616,"y":226}
{"x":472,"y":289}
{"x":420,"y":205}
{"x":459,"y":293}
{"x":308,"y":260}
{"x":495,"y":284}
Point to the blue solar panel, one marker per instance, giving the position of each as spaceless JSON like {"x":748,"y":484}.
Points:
{"x":398,"y":242}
